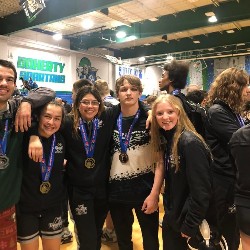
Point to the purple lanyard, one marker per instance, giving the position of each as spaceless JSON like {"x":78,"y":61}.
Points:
{"x":89,"y":145}
{"x":240,"y":120}
{"x":46,"y":169}
{"x":124,"y":143}
{"x":3,"y":142}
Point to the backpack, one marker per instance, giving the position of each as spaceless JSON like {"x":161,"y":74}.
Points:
{"x":195,"y":112}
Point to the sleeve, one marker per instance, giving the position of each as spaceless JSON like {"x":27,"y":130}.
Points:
{"x":39,"y":96}
{"x":222,"y":124}
{"x":199,"y":179}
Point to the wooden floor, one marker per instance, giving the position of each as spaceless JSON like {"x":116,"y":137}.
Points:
{"x":137,"y":239}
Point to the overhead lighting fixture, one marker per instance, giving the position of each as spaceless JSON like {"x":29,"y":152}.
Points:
{"x":209,"y":14}
{"x":121,"y":34}
{"x":147,"y":44}
{"x":230,"y":31}
{"x":142,"y":59}
{"x":130,"y":38}
{"x":153,"y":19}
{"x":196,"y":41}
{"x":210,"y":49}
{"x":87,"y":24}
{"x":212,"y":19}
{"x":57,"y":37}
{"x":241,"y":44}
{"x":32,"y":8}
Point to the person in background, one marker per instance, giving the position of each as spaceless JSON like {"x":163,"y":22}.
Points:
{"x":11,"y":143}
{"x":40,"y":206}
{"x":108,"y":232}
{"x":192,"y":86}
{"x":150,"y":100}
{"x":77,"y":85}
{"x":103,"y":88}
{"x":196,"y":96}
{"x":246,"y":112}
{"x":188,"y":179}
{"x":240,"y":148}
{"x":135,"y":180}
{"x":225,"y":100}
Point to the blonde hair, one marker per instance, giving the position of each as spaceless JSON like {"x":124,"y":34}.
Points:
{"x":183,"y":123}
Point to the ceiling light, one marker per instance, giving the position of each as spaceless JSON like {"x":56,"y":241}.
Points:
{"x":241,"y":44}
{"x":210,"y":49}
{"x":196,"y":41}
{"x":230,"y":31}
{"x":121,"y":34}
{"x":147,"y":44}
{"x":212,"y":19}
{"x":130,"y":38}
{"x":153,"y":19}
{"x":57,"y":37}
{"x":141,"y":59}
{"x":209,"y":14}
{"x":87,"y":24}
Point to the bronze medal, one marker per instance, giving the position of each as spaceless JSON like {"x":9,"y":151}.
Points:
{"x":45,"y":187}
{"x":4,"y":161}
{"x":89,"y":162}
{"x":123,"y":157}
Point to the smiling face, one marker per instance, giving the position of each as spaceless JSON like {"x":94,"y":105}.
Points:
{"x":7,"y":85}
{"x":166,"y":115}
{"x":50,"y":120}
{"x":88,"y":107}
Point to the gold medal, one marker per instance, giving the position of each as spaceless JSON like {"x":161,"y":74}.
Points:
{"x":45,"y":187}
{"x":89,"y":162}
{"x":123,"y":157}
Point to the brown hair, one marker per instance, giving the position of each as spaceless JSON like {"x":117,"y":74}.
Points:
{"x":133,"y":80}
{"x":228,"y":87}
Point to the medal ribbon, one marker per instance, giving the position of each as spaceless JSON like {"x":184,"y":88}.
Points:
{"x":3,"y":142}
{"x":89,"y":145}
{"x":176,"y":92}
{"x":46,"y":170}
{"x":124,"y":143}
{"x":240,"y":120}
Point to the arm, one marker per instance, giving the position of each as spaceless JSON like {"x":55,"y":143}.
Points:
{"x":198,"y":174}
{"x":36,"y":98}
{"x":150,"y":204}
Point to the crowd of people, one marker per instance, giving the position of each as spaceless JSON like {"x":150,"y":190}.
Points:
{"x":106,"y":157}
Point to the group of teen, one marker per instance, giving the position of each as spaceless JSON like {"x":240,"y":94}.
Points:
{"x":115,"y":163}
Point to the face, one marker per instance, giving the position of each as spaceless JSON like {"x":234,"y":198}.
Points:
{"x":50,"y":120}
{"x":128,"y":94}
{"x":164,"y":81}
{"x":166,"y":115}
{"x":7,"y":84}
{"x":246,"y":94}
{"x":89,"y":107}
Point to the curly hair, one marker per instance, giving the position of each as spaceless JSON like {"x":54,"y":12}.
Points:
{"x":177,"y":73}
{"x":80,"y":94}
{"x":183,"y":124}
{"x":228,"y":87}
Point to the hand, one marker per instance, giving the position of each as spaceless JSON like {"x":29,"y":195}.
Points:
{"x":184,"y":235}
{"x":23,"y":117}
{"x":150,"y":205}
{"x":35,"y":150}
{"x":149,"y":119}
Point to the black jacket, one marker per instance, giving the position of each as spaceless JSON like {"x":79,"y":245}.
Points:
{"x":93,"y":181}
{"x":220,"y":125}
{"x":188,"y":191}
{"x":240,"y":149}
{"x":32,"y":199}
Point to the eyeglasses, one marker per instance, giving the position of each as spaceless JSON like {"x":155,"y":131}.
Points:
{"x":94,"y":103}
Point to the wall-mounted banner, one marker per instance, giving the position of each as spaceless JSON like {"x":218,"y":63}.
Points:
{"x":41,"y":70}
{"x":126,"y":70}
{"x":86,"y":71}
